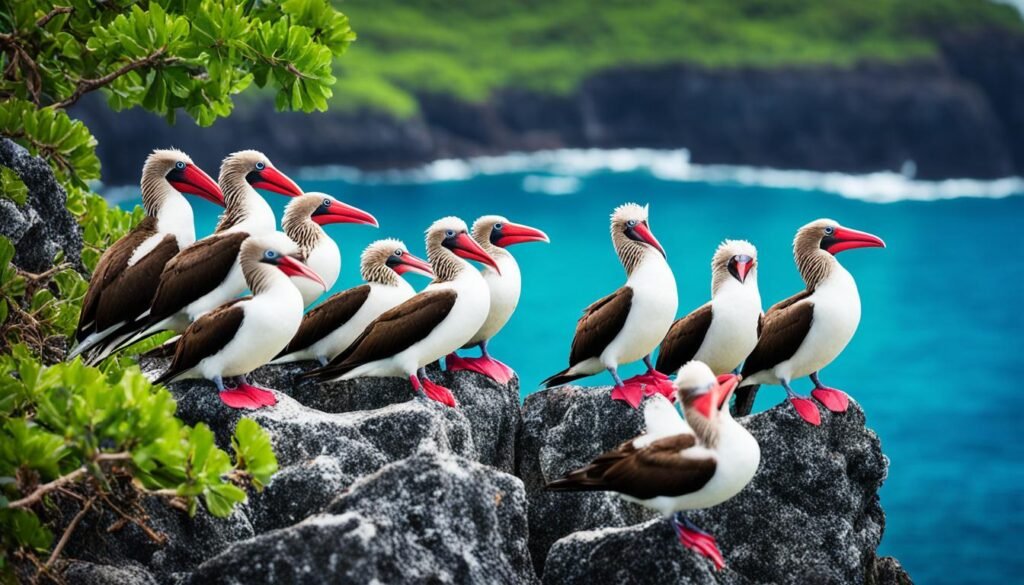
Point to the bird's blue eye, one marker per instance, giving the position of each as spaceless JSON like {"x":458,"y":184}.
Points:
{"x":449,"y":233}
{"x":497,"y":226}
{"x":180,"y":164}
{"x":829,"y":230}
{"x":631,"y":223}
{"x":270,"y":254}
{"x":398,"y":252}
{"x":327,"y":202}
{"x":260,"y":166}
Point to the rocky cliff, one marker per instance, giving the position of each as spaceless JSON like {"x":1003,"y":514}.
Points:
{"x":956,"y":115}
{"x":379,"y":487}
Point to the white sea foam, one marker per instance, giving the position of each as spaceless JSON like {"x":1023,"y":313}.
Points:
{"x":563,"y":172}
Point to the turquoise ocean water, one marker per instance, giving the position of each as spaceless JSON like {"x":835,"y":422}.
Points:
{"x":933,"y":361}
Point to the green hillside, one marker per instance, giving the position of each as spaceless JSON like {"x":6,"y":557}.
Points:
{"x":471,"y":47}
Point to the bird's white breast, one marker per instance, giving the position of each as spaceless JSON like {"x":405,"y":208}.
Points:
{"x":652,"y":312}
{"x":732,"y":335}
{"x":325,"y":260}
{"x":505,"y":289}
{"x":175,"y":218}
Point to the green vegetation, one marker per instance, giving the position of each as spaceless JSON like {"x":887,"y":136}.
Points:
{"x":469,"y":48}
{"x":75,"y":439}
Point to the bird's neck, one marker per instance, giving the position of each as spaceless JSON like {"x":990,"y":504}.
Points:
{"x":815,"y":265}
{"x":174,"y":216}
{"x":244,"y":208}
{"x":303,"y":231}
{"x":447,"y":266}
{"x":728,"y":286}
{"x":379,"y":273}
{"x":707,"y":431}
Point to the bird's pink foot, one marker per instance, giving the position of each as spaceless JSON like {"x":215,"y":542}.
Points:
{"x":832,"y":399}
{"x":653,"y":382}
{"x":807,"y":410}
{"x":238,"y":399}
{"x":631,"y":392}
{"x":438,"y":393}
{"x":259,"y":395}
{"x":486,"y":366}
{"x":700,"y":542}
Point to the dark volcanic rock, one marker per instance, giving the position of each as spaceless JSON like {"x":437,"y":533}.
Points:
{"x":82,"y":573}
{"x":491,"y":409}
{"x":563,"y":429}
{"x":427,"y":519}
{"x":43,"y":226}
{"x":811,"y":515}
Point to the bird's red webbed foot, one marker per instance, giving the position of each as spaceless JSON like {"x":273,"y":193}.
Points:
{"x":698,"y":541}
{"x":484,"y":365}
{"x":653,"y":382}
{"x":433,"y":391}
{"x":807,"y":409}
{"x":238,"y":399}
{"x":631,"y":392}
{"x":260,"y":396}
{"x":832,"y":399}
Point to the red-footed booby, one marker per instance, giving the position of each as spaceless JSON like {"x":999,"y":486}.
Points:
{"x":628,"y":324}
{"x":804,"y":333}
{"x":430,"y":325}
{"x":302,"y":220}
{"x":495,"y":233}
{"x":127,"y":275}
{"x":207,"y":274}
{"x":722,"y":332}
{"x":242,"y":335}
{"x":332,"y":326}
{"x":680,"y":465}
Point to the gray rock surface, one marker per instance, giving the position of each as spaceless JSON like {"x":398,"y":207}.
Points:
{"x":43,"y":226}
{"x":429,"y":518}
{"x":83,"y":573}
{"x":811,"y":515}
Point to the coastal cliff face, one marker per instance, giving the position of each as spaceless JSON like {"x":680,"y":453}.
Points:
{"x":378,"y":486}
{"x":957,"y":115}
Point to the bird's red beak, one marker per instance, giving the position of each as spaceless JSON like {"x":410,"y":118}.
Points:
{"x":274,"y":180}
{"x":293,"y":267}
{"x":466,"y":247}
{"x":194,"y":181}
{"x":704,"y":403}
{"x":743,"y":267}
{"x":644,"y":231}
{"x":726,"y":386}
{"x":340,"y":212}
{"x":514,"y":233}
{"x":410,"y":263}
{"x":848,"y":239}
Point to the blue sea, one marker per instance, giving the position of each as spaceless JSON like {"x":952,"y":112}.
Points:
{"x":932,"y":363}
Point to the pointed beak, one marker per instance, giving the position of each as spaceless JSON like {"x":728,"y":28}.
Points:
{"x":274,"y":180}
{"x":704,"y":403}
{"x":340,"y":212}
{"x":742,"y":265}
{"x":726,"y":386}
{"x":410,"y":263}
{"x":848,"y":239}
{"x":293,"y":267}
{"x":194,"y":181}
{"x":644,"y":232}
{"x":466,"y":247}
{"x":514,"y":233}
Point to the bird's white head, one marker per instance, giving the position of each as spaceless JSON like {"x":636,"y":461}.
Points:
{"x":736,"y":259}
{"x":383,"y":260}
{"x":818,"y":242}
{"x":498,"y":231}
{"x":252,"y":167}
{"x":263,"y":256}
{"x":448,"y":239}
{"x":632,"y":235}
{"x":701,"y":392}
{"x":322,"y":209}
{"x":172,"y":167}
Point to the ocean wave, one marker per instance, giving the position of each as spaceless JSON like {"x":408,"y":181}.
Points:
{"x":562,"y":172}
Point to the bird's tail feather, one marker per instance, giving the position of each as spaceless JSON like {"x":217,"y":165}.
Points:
{"x":563,"y":377}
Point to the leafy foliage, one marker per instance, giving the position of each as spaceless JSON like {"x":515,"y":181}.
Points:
{"x":110,"y":431}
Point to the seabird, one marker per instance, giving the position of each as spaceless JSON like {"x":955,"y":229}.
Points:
{"x":722,"y":332}
{"x":128,"y":272}
{"x":302,"y":220}
{"x":430,"y":325}
{"x":494,"y":233}
{"x":332,"y":326}
{"x":804,"y":333}
{"x":207,"y":274}
{"x":679,"y":465}
{"x":243,"y":334}
{"x":629,"y":323}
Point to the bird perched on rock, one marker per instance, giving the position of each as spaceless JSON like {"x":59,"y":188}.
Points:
{"x":494,"y":233}
{"x":127,"y":275}
{"x":679,"y":465}
{"x":629,"y":323}
{"x":332,"y":326}
{"x":722,"y":332}
{"x":207,"y":274}
{"x":302,"y":220}
{"x":435,"y":322}
{"x":242,"y":335}
{"x":804,"y":333}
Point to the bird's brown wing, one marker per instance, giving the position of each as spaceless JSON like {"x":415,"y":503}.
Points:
{"x":784,"y":329}
{"x":393,"y":332}
{"x":599,"y":325}
{"x":327,"y":317}
{"x":683,"y":340}
{"x":204,"y":337}
{"x":131,"y":293}
{"x":785,"y":303}
{"x":194,"y":272}
{"x":659,"y":469}
{"x":112,"y":264}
